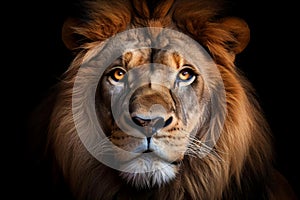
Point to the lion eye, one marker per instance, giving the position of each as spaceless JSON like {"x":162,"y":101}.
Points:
{"x":117,"y":74}
{"x":186,"y":74}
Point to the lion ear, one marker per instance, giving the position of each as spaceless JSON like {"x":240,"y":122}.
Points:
{"x":240,"y":30}
{"x":68,"y":34}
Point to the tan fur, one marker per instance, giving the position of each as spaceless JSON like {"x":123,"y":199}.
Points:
{"x":244,"y":149}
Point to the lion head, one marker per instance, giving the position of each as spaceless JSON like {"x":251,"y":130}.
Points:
{"x":153,"y":106}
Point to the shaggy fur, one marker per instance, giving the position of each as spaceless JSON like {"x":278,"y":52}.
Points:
{"x":243,"y":168}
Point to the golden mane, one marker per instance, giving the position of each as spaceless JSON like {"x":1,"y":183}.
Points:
{"x":243,"y":169}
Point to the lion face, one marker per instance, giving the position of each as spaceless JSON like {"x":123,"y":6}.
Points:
{"x":143,"y":99}
{"x":152,"y":137}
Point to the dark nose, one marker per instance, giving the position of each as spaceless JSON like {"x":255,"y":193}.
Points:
{"x":151,"y":126}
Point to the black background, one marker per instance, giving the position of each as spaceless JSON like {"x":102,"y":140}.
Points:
{"x":35,"y":57}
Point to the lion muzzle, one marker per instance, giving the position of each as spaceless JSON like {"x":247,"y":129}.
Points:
{"x":151,"y":109}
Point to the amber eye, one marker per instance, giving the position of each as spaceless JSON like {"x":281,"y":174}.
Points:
{"x":117,"y":74}
{"x":186,"y":74}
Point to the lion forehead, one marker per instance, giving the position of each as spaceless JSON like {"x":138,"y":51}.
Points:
{"x":133,"y":58}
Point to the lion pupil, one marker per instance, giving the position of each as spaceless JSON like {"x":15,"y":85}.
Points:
{"x":185,"y":74}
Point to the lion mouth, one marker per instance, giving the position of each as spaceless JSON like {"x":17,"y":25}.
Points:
{"x":151,"y":158}
{"x":177,"y":163}
{"x":148,"y":151}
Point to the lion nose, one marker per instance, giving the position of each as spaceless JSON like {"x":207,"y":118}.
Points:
{"x":151,"y":126}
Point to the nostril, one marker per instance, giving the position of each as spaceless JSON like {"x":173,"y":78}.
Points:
{"x":152,"y":125}
{"x":168,"y":122}
{"x":141,"y":122}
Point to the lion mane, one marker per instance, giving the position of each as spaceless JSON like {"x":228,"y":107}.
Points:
{"x":243,"y":168}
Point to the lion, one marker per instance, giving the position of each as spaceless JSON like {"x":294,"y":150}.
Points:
{"x":164,"y":122}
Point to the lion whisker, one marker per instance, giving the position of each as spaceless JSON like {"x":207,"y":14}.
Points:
{"x":198,"y":148}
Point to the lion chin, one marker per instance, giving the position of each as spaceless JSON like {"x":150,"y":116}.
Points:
{"x":148,"y":171}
